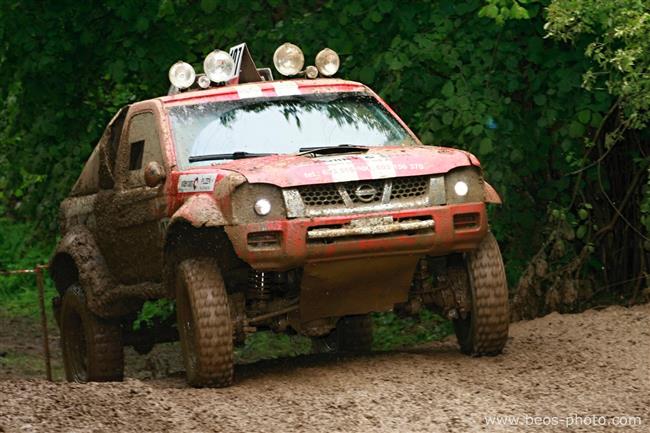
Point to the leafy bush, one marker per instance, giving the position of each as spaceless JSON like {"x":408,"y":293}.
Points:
{"x":551,"y":95}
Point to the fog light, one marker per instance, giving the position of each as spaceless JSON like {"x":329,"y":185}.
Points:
{"x":461,"y":189}
{"x":327,"y":62}
{"x":288,"y":59}
{"x":219,"y":66}
{"x":182,"y":75}
{"x":262,"y":207}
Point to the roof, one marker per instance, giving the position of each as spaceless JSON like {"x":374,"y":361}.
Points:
{"x":265,"y":88}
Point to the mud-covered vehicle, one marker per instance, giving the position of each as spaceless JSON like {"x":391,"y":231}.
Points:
{"x":298,"y":206}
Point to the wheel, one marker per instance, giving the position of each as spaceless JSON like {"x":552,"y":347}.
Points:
{"x":204,"y":323}
{"x":485,"y":330}
{"x":353,"y":334}
{"x":92,"y":346}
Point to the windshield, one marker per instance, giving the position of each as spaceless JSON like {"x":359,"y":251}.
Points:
{"x":282,"y":125}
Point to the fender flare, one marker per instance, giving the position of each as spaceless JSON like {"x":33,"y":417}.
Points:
{"x":491,"y":194}
{"x":200,"y":210}
{"x":77,"y":256}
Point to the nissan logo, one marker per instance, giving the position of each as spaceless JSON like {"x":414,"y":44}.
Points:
{"x":365,"y":192}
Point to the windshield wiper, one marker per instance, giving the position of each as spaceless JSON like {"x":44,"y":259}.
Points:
{"x":219,"y":156}
{"x":326,"y":150}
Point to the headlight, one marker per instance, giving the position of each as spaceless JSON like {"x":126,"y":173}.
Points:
{"x":327,"y":62}
{"x":219,"y":66}
{"x":461,"y":189}
{"x":262,"y":207}
{"x":182,"y":75}
{"x":288,"y":59}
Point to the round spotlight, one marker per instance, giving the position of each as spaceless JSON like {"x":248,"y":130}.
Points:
{"x":182,"y":75}
{"x":311,"y":72}
{"x":219,"y":66}
{"x":262,"y":207}
{"x":204,"y":81}
{"x":288,"y":59}
{"x":461,"y":189}
{"x":327,"y":62}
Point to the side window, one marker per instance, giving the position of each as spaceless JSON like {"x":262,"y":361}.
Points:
{"x":143,"y":146}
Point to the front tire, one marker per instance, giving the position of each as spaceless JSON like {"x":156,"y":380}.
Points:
{"x":353,"y":334}
{"x":485,"y":330}
{"x":92,"y":346}
{"x":204,"y":323}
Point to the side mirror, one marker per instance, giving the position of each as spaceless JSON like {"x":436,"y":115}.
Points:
{"x":154,"y":174}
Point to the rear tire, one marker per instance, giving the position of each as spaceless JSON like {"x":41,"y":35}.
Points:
{"x":92,"y":346}
{"x":485,"y":330}
{"x":204,"y":323}
{"x":353,"y":334}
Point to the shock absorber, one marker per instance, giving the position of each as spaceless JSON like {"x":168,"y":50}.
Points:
{"x":260,"y":286}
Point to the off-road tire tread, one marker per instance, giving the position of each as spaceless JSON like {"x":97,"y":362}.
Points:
{"x":212,"y":323}
{"x":354,"y":334}
{"x":103,"y":340}
{"x":490,"y":317}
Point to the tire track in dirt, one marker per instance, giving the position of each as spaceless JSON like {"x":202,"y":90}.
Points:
{"x":594,"y":363}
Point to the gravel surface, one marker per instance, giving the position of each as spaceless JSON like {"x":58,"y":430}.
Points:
{"x":590,"y":364}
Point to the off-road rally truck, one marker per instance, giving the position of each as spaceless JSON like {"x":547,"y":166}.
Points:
{"x":298,"y":205}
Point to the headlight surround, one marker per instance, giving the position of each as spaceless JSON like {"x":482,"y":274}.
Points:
{"x":182,"y":75}
{"x":288,"y":59}
{"x":219,"y":66}
{"x":257,"y":202}
{"x":464,"y":185}
{"x":262,"y":207}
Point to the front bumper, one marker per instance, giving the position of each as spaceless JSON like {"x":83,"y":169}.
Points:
{"x":291,"y":243}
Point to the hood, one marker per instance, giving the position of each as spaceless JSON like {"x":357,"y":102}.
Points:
{"x":378,"y":163}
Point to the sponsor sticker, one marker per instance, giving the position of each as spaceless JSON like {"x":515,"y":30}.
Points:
{"x":251,"y":91}
{"x":341,"y":169}
{"x":196,"y":182}
{"x":286,"y":88}
{"x":381,"y":166}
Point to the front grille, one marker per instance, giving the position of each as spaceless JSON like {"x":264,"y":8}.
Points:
{"x":407,"y":187}
{"x":320,"y":195}
{"x":356,"y":190}
{"x":365,"y":193}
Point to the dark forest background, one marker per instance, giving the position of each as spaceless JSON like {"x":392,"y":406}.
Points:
{"x":552,"y":96}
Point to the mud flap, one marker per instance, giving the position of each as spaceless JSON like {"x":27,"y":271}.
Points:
{"x":356,"y":286}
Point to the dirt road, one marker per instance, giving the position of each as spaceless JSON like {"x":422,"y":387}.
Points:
{"x":591,"y":364}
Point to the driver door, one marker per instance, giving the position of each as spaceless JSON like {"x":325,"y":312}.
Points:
{"x":131,"y":215}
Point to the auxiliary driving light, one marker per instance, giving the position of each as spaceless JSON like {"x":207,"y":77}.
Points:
{"x":288,"y":59}
{"x":461,"y":189}
{"x":219,"y":66}
{"x":311,"y":72}
{"x":182,"y":75}
{"x":262,"y":207}
{"x":204,"y":81}
{"x":327,"y":62}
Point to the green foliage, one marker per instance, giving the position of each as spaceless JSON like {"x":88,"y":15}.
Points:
{"x":22,"y":248}
{"x":391,"y":332}
{"x":479,"y":75}
{"x":616,"y":38}
{"x":267,"y":344}
{"x":158,"y":310}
